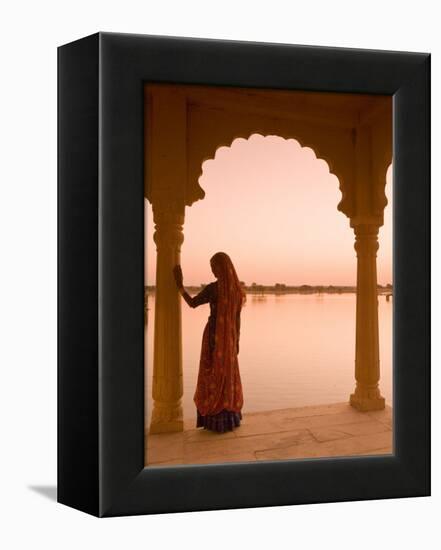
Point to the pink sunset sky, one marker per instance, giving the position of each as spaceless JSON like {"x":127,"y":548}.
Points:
{"x":272,"y":206}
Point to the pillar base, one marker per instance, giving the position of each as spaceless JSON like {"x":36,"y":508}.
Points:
{"x":166,"y":418}
{"x":364,"y":404}
{"x":166,"y":427}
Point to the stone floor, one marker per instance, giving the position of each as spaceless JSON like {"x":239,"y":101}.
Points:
{"x":307,"y":432}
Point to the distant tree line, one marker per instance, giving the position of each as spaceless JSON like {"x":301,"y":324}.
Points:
{"x":282,"y":288}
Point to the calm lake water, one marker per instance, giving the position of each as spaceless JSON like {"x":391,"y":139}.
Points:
{"x":295,"y":350}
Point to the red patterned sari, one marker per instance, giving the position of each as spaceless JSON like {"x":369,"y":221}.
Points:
{"x":218,"y":396}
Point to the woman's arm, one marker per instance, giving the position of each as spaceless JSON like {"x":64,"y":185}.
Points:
{"x":202,"y":298}
{"x":179,"y":279}
{"x":189,"y":299}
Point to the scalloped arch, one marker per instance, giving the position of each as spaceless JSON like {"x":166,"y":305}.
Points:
{"x":303,"y":143}
{"x":381,"y":198}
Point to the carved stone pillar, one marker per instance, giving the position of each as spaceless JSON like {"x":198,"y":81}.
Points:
{"x":167,"y":354}
{"x":366,"y":396}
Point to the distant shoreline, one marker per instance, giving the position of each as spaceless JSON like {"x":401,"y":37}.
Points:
{"x":286,"y":289}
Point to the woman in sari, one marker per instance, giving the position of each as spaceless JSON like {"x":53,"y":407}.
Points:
{"x":218,"y":395}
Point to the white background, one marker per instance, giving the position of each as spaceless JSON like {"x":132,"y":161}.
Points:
{"x":30,"y":34}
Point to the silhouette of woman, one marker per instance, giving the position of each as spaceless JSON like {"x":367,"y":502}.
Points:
{"x":218,"y":395}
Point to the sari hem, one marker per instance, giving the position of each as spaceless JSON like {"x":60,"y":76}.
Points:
{"x":224,"y":421}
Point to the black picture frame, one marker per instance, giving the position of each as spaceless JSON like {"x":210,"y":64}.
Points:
{"x":101,"y":274}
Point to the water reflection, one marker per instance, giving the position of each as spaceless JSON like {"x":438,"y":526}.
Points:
{"x":257,"y":297}
{"x":295,"y":350}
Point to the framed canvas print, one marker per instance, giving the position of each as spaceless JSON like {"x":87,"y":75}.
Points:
{"x":244,"y":274}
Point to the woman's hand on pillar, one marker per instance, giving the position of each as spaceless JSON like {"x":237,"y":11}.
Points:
{"x":177,"y":272}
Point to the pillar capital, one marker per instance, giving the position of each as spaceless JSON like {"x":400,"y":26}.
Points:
{"x":366,"y":240}
{"x":168,"y":211}
{"x":366,"y":229}
{"x":168,"y":228}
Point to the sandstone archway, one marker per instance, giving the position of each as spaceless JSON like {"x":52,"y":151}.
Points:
{"x":186,"y":124}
